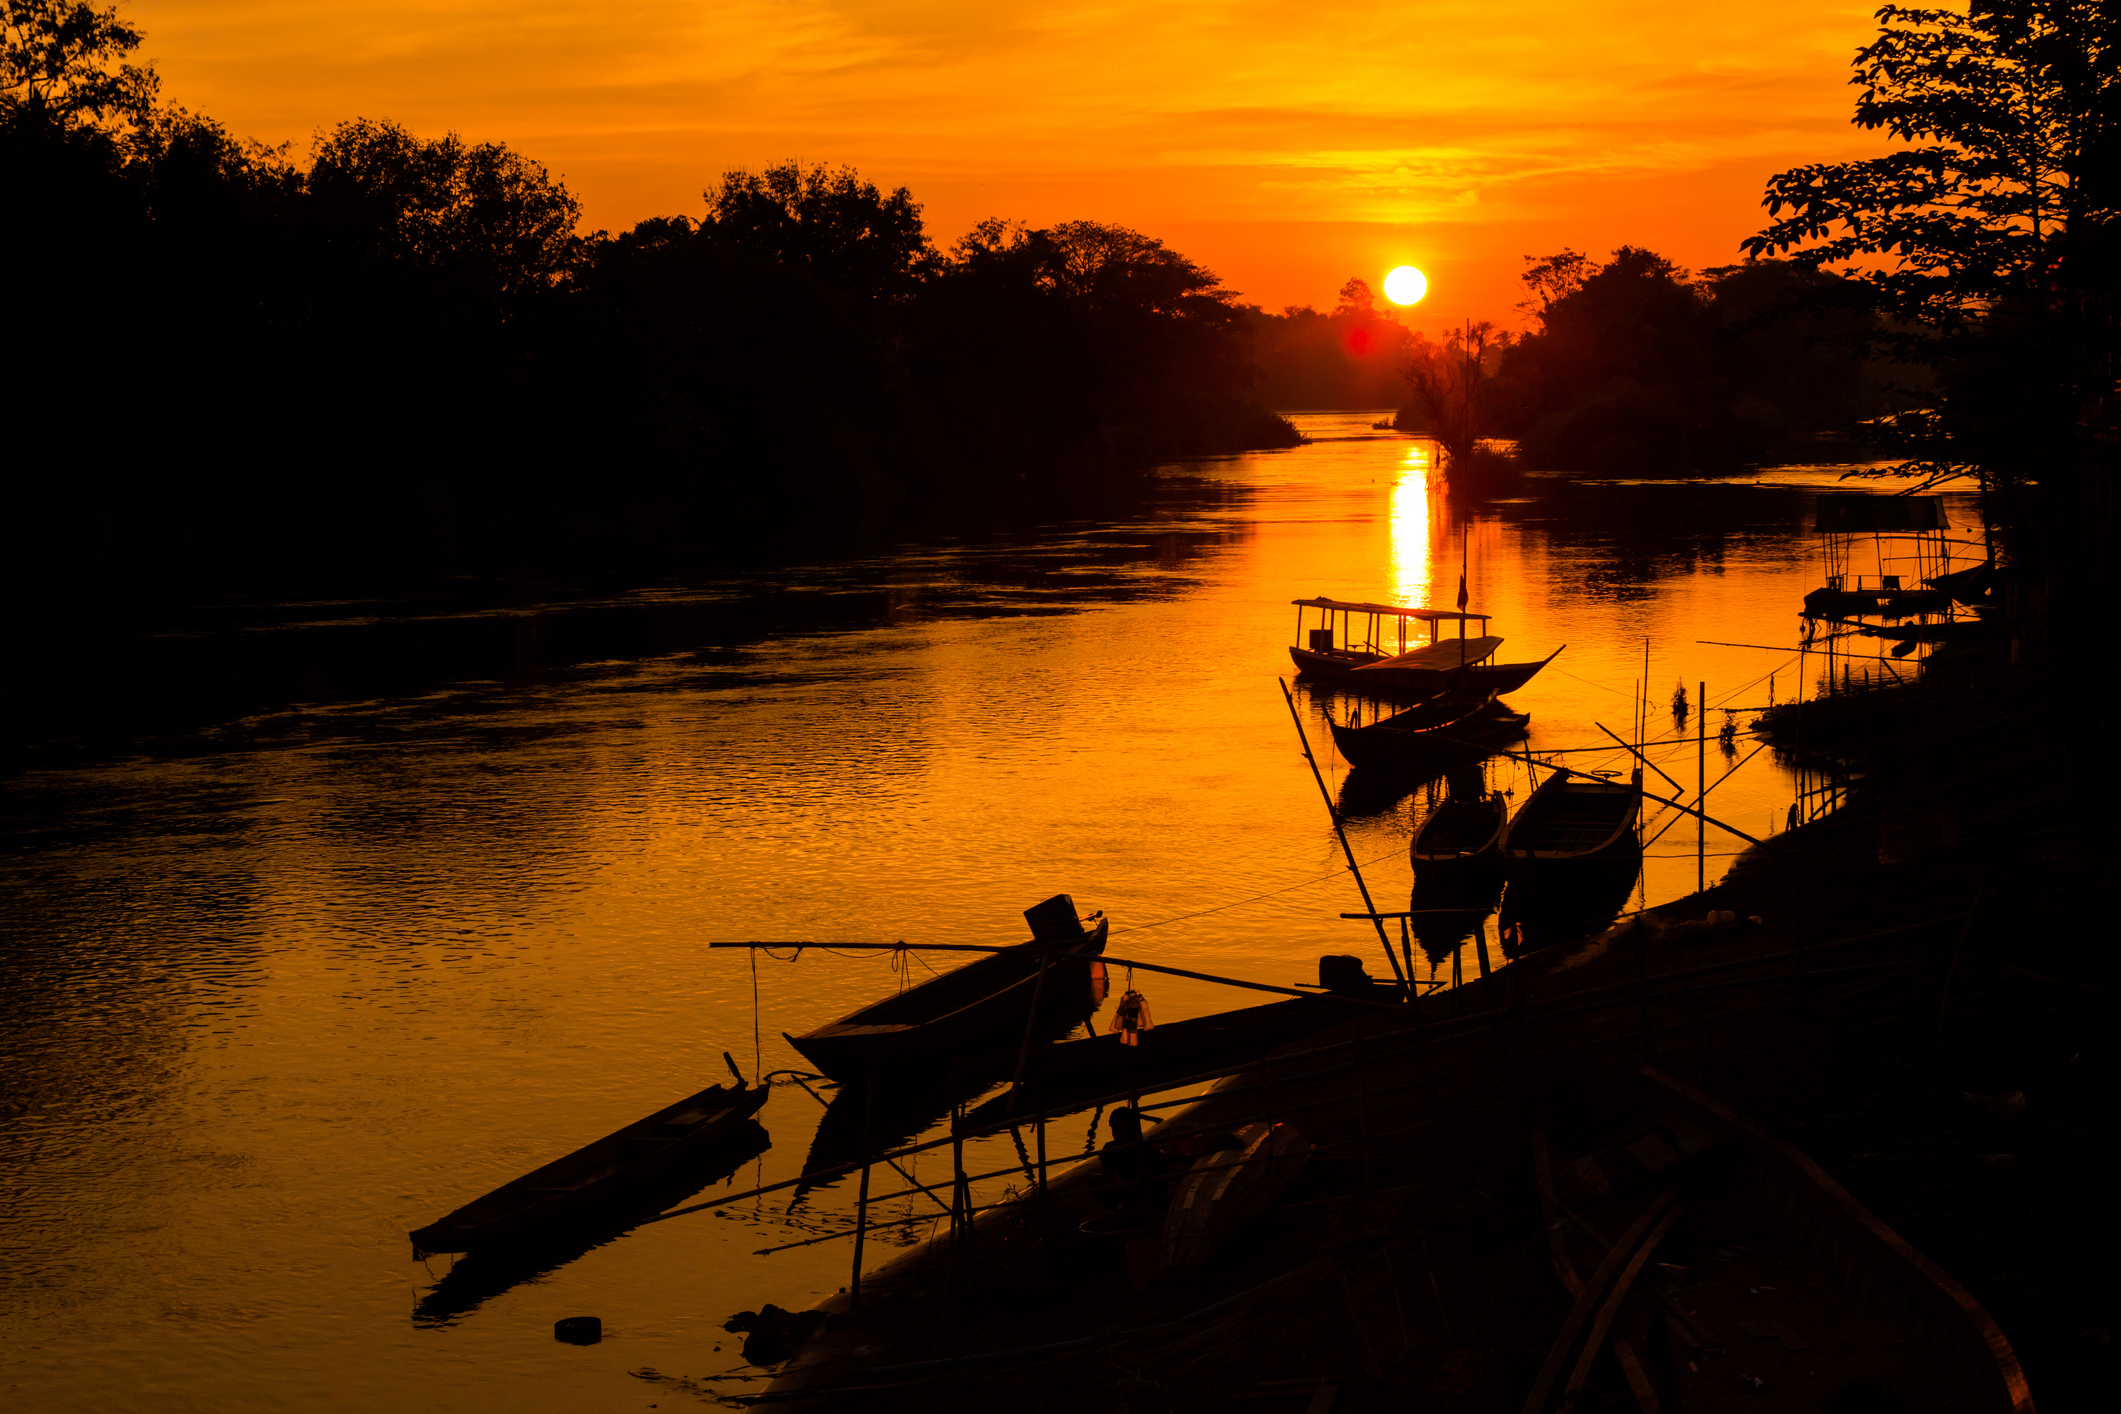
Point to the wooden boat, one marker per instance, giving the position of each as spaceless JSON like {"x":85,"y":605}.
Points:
{"x":1350,"y":633}
{"x":1372,"y":646}
{"x":1459,"y":665}
{"x":1227,"y":1187}
{"x":1570,"y":821}
{"x":598,"y":1175}
{"x":1430,"y":734}
{"x":1461,"y":838}
{"x":495,"y":1268}
{"x":1085,"y":1070}
{"x":969,"y":1010}
{"x":1720,"y":1268}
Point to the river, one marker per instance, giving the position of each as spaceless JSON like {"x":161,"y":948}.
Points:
{"x":421,"y":895}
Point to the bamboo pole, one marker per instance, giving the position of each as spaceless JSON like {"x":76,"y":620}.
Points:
{"x":1345,"y":848}
{"x":1638,"y":755}
{"x":1701,"y":780}
{"x":1106,"y":958}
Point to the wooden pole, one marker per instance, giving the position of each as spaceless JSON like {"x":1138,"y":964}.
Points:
{"x":861,"y":1202}
{"x":1701,"y":782}
{"x":1383,"y":939}
{"x":1638,"y":754}
{"x":1023,"y":1056}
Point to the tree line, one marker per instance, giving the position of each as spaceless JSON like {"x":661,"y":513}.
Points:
{"x":406,"y":346}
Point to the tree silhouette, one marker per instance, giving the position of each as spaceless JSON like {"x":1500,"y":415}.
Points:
{"x":1988,"y":242}
{"x":64,"y":63}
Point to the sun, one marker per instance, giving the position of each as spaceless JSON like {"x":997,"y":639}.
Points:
{"x":1406,"y":285}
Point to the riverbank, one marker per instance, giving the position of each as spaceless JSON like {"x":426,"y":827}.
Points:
{"x":1916,"y":1010}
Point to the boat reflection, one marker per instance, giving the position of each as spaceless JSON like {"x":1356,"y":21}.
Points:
{"x":1541,"y":913}
{"x":480,"y":1276}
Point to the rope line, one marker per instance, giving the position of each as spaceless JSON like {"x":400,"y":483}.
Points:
{"x":1271,"y":893}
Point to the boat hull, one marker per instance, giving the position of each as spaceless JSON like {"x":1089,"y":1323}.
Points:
{"x":597,"y":1175}
{"x":983,"y":1006}
{"x":1427,"y":737}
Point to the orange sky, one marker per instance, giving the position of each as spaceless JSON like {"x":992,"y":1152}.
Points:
{"x":1285,"y":146}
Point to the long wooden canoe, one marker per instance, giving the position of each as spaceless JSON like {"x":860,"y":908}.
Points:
{"x":1461,"y":838}
{"x":1082,"y":1070}
{"x":969,"y":1010}
{"x":1430,"y":734}
{"x":597,"y":1175}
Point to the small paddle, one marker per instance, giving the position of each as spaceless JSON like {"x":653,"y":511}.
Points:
{"x":741,"y":1082}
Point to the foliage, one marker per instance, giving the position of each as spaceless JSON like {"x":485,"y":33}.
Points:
{"x":1447,"y":382}
{"x":1986,"y":243}
{"x":64,"y":61}
{"x":1639,"y":368}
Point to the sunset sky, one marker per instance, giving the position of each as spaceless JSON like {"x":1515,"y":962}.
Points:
{"x":1285,"y":146}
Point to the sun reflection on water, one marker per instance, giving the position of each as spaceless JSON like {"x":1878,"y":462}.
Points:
{"x":1413,"y":534}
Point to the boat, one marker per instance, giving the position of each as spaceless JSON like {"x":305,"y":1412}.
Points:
{"x":496,"y":1268}
{"x":1350,"y":633}
{"x":1367,"y":645}
{"x":1461,"y":839}
{"x":1431,"y":733}
{"x":968,"y":1010}
{"x":1081,"y":1071}
{"x":1720,"y":1266}
{"x":597,"y":1176}
{"x":1570,"y":821}
{"x":1226,"y":1188}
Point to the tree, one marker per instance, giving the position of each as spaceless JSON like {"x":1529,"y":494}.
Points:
{"x":1987,"y":243}
{"x":1447,"y":381}
{"x":1553,"y":278}
{"x":493,"y":222}
{"x":842,"y":232}
{"x":63,"y":63}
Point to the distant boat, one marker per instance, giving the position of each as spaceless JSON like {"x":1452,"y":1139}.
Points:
{"x":1571,"y":821}
{"x":1350,"y":633}
{"x":1431,"y":734}
{"x":596,"y":1175}
{"x":979,"y":1007}
{"x":1368,"y":645}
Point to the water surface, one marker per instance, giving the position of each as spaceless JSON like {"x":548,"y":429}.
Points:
{"x":433,"y":905}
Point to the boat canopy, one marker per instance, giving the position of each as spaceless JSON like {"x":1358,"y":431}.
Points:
{"x":1397,"y":611}
{"x":1439,"y":657}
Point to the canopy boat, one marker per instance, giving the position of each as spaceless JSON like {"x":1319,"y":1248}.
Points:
{"x":1350,"y":633}
{"x":979,"y":1007}
{"x":1371,"y":646}
{"x":1431,"y":734}
{"x":600,"y":1174}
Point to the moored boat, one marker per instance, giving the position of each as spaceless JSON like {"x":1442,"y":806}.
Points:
{"x":1461,"y":838}
{"x":1430,"y":734}
{"x":599,"y":1174}
{"x":1572,"y":820}
{"x":1351,"y":633}
{"x":969,"y":1010}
